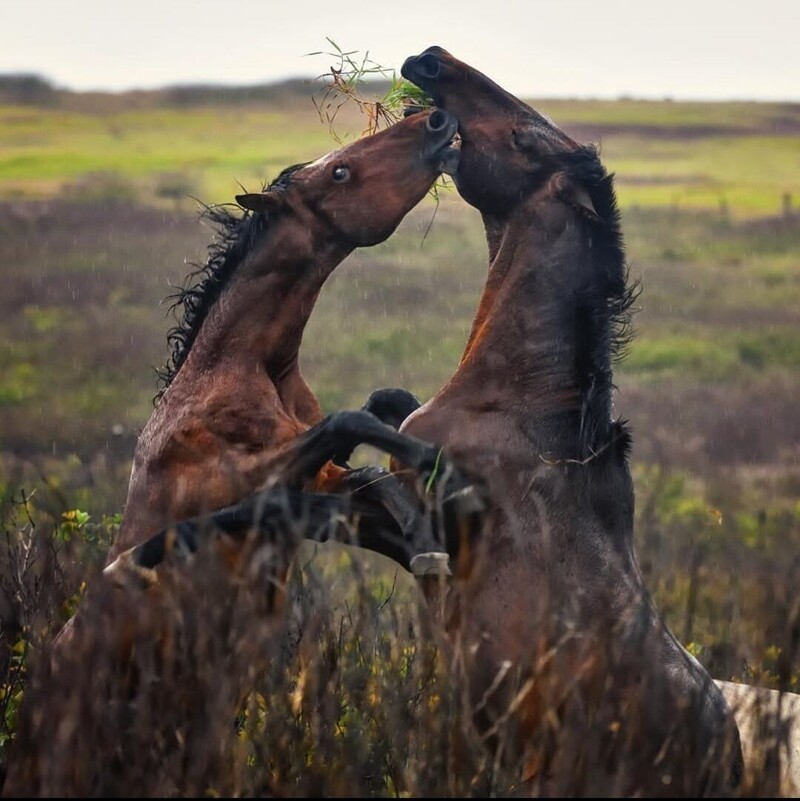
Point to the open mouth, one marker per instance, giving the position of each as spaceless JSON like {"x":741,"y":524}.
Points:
{"x":443,"y":126}
{"x":411,"y":108}
{"x":449,"y":155}
{"x":422,"y":71}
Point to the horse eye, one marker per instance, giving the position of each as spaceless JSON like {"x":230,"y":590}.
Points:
{"x":340,"y":174}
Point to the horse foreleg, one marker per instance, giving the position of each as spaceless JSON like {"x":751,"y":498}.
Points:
{"x":382,"y":516}
{"x":451,"y":501}
{"x":418,"y":550}
{"x":390,"y":406}
{"x":342,"y":432}
{"x":284,"y":515}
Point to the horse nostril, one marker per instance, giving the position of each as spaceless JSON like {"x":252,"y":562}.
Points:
{"x":428,"y":66}
{"x":438,"y":121}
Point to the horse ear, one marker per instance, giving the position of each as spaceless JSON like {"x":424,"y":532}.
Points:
{"x":527,"y":138}
{"x":260,"y":201}
{"x":575,"y":195}
{"x":539,"y":137}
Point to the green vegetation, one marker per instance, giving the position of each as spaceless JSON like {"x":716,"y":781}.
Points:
{"x":46,"y":149}
{"x":677,"y":155}
{"x":724,"y":356}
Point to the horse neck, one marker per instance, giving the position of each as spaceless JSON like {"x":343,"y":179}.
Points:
{"x":524,"y":345}
{"x":259,"y":319}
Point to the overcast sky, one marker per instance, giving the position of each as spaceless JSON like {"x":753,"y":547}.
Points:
{"x":701,"y":49}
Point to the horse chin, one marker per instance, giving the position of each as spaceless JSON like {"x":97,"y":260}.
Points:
{"x":369,"y":238}
{"x":413,"y":108}
{"x":449,"y":159}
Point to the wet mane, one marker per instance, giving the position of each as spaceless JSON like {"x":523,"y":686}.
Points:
{"x":603,"y":319}
{"x":236,"y":235}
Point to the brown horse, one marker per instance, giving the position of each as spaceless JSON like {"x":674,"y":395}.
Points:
{"x":570,"y":666}
{"x":150,"y":658}
{"x":234,"y":395}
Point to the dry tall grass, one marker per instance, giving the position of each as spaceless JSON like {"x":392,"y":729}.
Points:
{"x":217,"y":682}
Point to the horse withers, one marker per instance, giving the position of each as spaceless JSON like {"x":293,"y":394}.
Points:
{"x":572,"y":671}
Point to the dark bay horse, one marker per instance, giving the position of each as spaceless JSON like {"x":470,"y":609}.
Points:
{"x":564,"y":650}
{"x":234,"y":395}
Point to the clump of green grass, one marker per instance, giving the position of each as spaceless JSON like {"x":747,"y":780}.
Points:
{"x":403,"y":93}
{"x":344,"y":83}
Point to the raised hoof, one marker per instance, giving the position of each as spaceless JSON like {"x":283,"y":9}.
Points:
{"x":391,"y":406}
{"x":432,"y":563}
{"x":466,"y":501}
{"x":124,"y":568}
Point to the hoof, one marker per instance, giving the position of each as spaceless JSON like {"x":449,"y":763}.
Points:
{"x":466,"y":501}
{"x":124,"y":568}
{"x":432,"y":563}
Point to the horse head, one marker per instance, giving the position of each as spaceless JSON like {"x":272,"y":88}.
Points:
{"x":507,"y":147}
{"x":360,"y":193}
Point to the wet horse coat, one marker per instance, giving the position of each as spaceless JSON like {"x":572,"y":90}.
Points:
{"x":571,"y":670}
{"x":144,"y":656}
{"x":234,"y":394}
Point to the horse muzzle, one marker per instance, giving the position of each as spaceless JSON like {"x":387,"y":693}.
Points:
{"x":442,"y":127}
{"x":450,"y":158}
{"x":424,"y":69}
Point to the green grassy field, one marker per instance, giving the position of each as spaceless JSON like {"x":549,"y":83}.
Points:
{"x":687,"y":155}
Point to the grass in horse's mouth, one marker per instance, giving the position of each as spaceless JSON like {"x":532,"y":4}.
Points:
{"x":403,"y":95}
{"x":344,"y":82}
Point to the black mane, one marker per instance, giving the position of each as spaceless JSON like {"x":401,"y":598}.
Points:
{"x":236,"y":235}
{"x":604,"y":328}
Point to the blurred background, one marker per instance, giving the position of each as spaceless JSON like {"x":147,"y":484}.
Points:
{"x":113,"y":122}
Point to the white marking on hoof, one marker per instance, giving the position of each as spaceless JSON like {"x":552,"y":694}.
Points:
{"x":123,"y":567}
{"x":469,"y":500}
{"x":432,"y":563}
